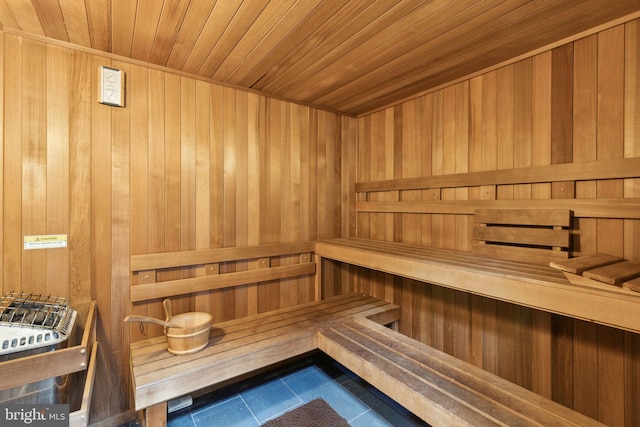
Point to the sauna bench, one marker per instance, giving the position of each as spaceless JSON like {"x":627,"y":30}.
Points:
{"x":239,"y":347}
{"x":526,"y":284}
{"x":437,"y":387}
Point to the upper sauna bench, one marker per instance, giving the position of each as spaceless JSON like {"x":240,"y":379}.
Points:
{"x":536,"y":286}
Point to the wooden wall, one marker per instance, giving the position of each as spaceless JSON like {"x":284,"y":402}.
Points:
{"x":185,"y":165}
{"x":575,"y":103}
{"x":189,"y":164}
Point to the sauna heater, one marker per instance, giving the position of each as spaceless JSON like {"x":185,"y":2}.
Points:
{"x":32,"y":324}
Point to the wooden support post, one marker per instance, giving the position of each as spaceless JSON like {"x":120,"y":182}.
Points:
{"x":155,"y":416}
{"x":318,"y":278}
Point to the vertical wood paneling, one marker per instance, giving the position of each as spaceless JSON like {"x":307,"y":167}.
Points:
{"x":585,"y":133}
{"x":476,"y":133}
{"x":585,"y":346}
{"x":562,"y":355}
{"x":397,"y":164}
{"x":632,"y":125}
{"x":522,"y":121}
{"x":184,"y":165}
{"x":462,"y":147}
{"x":487,"y":307}
{"x":409,"y":155}
{"x":285,"y":196}
{"x":461,"y":301}
{"x":437,"y":161}
{"x":505,"y":321}
{"x":363,"y":168}
{"x":541,"y":118}
{"x":57,"y":167}
{"x":522,"y":153}
{"x":229,"y":201}
{"x":490,"y":124}
{"x":187,"y":164}
{"x":575,"y":103}
{"x":274,"y":124}
{"x":562,"y":65}
{"x":254,"y":136}
{"x":242,"y":184}
{"x":101,"y":247}
{"x":216,"y":160}
{"x":610,"y":128}
{"x":202,"y":185}
{"x":315,"y":199}
{"x":34,"y":156}
{"x":172,"y":163}
{"x":12,"y":190}
{"x":140,"y":166}
{"x":121,"y":243}
{"x":216,"y":186}
{"x":173,"y":175}
{"x":437,"y":220}
{"x":407,"y":134}
{"x":80,"y":175}
{"x":610,"y":231}
{"x":541,"y":84}
{"x":426,"y":160}
{"x":631,"y":228}
{"x":349,"y":162}
{"x":156,"y":216}
{"x":562,"y":111}
{"x":632,"y":379}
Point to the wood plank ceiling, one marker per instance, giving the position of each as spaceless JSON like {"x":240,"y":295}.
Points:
{"x":352,"y":56}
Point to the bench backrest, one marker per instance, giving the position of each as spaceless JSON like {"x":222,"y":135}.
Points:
{"x":533,"y":235}
{"x":146,"y":268}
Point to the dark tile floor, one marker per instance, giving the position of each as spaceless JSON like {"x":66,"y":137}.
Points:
{"x":254,"y":401}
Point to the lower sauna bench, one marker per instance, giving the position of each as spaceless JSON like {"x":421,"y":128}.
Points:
{"x":439,"y":388}
{"x":240,"y":347}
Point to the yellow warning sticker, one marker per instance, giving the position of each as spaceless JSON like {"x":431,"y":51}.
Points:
{"x":48,"y":241}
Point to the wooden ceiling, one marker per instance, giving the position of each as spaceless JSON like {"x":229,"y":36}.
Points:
{"x":352,"y":56}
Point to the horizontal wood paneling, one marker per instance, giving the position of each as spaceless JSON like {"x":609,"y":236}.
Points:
{"x":186,"y":165}
{"x":553,"y":123}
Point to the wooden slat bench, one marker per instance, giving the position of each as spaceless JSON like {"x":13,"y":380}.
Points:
{"x":437,"y":387}
{"x":342,"y":326}
{"x":523,"y":283}
{"x":509,"y":261}
{"x":239,"y":347}
{"x":159,"y":376}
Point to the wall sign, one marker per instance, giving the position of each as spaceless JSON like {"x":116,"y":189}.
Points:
{"x":111,"y":86}
{"x":49,"y":241}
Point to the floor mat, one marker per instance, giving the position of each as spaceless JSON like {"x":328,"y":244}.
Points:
{"x":316,"y":413}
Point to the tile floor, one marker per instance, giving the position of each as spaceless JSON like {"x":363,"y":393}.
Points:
{"x":254,"y":401}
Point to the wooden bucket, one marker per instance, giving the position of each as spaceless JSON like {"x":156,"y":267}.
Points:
{"x":189,"y":332}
